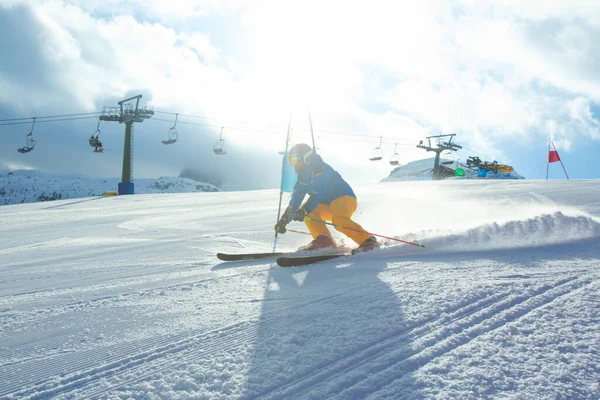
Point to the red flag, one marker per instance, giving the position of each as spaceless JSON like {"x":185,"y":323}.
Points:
{"x":553,"y":156}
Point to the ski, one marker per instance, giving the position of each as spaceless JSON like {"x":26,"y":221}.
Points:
{"x":306,"y":260}
{"x":248,"y":256}
{"x":257,"y":256}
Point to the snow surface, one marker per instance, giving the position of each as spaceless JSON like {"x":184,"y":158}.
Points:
{"x":28,"y":186}
{"x":123,"y":297}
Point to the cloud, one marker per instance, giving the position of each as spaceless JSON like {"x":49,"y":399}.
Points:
{"x":487,"y":70}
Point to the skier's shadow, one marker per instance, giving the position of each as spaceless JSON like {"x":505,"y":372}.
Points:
{"x":324,"y":330}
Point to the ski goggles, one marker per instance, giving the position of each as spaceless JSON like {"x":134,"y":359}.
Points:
{"x":294,"y":160}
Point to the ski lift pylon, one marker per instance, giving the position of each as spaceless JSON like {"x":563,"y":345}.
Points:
{"x":395,"y":158}
{"x":30,"y":141}
{"x":173,"y":135}
{"x":218,"y":147}
{"x":377,"y":154}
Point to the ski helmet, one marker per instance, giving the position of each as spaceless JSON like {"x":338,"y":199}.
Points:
{"x":301,"y":150}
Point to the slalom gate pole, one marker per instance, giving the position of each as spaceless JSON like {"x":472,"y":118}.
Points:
{"x":287,"y":143}
{"x":561,"y":163}
{"x":358,"y":230}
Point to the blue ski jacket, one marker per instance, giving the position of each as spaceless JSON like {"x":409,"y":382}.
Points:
{"x":321,"y":182}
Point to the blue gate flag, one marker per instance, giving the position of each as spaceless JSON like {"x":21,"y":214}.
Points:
{"x":288,"y":175}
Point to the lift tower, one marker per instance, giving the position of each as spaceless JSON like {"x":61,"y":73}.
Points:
{"x":440,"y":146}
{"x":127,"y":114}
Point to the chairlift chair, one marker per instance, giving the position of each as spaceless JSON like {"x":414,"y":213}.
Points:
{"x":395,"y":158}
{"x":218,"y":147}
{"x":30,"y":141}
{"x":94,"y":140}
{"x":96,"y":143}
{"x":377,"y":154}
{"x":30,"y":144}
{"x":98,"y":148}
{"x":173,"y":136}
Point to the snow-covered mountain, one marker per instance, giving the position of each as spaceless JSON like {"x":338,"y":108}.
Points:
{"x":29,"y":186}
{"x":422,"y":170}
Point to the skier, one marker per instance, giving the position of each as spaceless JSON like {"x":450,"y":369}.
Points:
{"x":96,"y":144}
{"x":331,"y":199}
{"x":98,"y":148}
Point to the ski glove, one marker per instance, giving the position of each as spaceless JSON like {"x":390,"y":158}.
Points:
{"x":285,"y":219}
{"x":300,"y":214}
{"x":280,"y":227}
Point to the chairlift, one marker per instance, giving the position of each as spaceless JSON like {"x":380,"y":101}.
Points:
{"x":395,"y":158}
{"x":377,"y":154}
{"x":94,"y":140}
{"x":218,"y":147}
{"x":173,"y":136}
{"x":30,"y":141}
{"x":449,"y":154}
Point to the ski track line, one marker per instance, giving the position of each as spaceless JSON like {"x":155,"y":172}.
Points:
{"x":31,"y":348}
{"x":90,"y":255}
{"x":91,"y":302}
{"x":396,"y":365}
{"x":347,"y":370}
{"x":34,"y":344}
{"x":17,"y":297}
{"x":78,"y":370}
{"x":271,"y":329}
{"x":372,"y":350}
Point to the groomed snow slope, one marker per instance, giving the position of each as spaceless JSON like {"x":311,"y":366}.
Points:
{"x":123,"y":298}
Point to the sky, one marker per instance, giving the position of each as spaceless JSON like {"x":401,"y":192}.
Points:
{"x":124,"y":298}
{"x":502,"y":75}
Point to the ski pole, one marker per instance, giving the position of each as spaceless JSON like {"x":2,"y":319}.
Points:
{"x":287,"y":142}
{"x":358,"y":230}
{"x":292,"y":230}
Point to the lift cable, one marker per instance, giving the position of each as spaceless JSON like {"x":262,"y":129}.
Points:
{"x":275,"y":126}
{"x":394,"y":139}
{"x":67,"y":117}
{"x":51,"y":116}
{"x":93,"y":115}
{"x":52,"y":120}
{"x":217,"y":119}
{"x":219,"y":126}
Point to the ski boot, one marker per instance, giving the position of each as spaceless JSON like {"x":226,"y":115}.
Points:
{"x":369,"y":244}
{"x":321,"y":242}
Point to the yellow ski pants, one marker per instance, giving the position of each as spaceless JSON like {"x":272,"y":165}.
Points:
{"x":338,"y":212}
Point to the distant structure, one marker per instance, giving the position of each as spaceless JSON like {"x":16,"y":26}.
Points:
{"x":440,"y":146}
{"x":483,"y":167}
{"x":127,"y":114}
